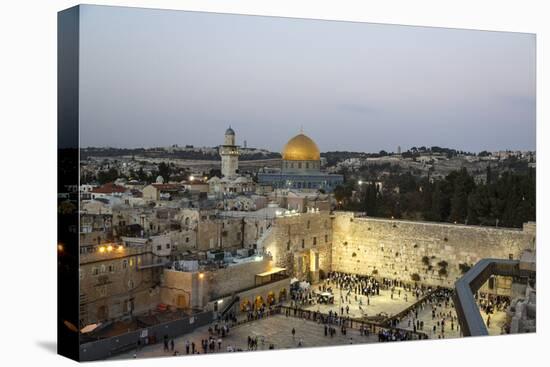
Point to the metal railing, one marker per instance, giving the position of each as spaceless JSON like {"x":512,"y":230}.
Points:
{"x":467,"y":310}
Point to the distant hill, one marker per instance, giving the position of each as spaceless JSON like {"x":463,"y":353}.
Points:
{"x":207,"y":153}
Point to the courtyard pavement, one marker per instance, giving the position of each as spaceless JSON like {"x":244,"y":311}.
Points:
{"x":276,"y":330}
{"x":382,"y":303}
{"x":498,"y":319}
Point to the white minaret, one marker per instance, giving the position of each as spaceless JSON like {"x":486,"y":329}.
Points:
{"x":230,"y":154}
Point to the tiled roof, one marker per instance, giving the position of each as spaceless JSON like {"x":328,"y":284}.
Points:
{"x":109,"y":188}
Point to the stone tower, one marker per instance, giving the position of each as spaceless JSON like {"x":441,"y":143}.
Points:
{"x":230,"y":154}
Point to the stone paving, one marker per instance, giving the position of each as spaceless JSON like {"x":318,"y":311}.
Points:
{"x":382,"y":303}
{"x":498,"y":319}
{"x":274,"y":330}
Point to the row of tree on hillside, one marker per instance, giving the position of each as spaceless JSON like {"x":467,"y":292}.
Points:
{"x":507,"y":200}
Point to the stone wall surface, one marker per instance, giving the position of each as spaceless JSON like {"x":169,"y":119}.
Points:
{"x":398,"y":249}
{"x":235,"y":278}
{"x":293,"y":239}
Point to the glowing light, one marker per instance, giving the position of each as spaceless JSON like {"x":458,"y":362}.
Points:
{"x":109,"y":248}
{"x":120,"y":248}
{"x":102,"y":249}
{"x":201,"y":275}
{"x":360,"y":182}
{"x":60,"y":248}
{"x":191,"y":178}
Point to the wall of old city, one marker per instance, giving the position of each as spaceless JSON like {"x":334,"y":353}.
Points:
{"x":395,"y":249}
{"x":293,"y":240}
{"x":235,"y":278}
{"x":181,"y":289}
{"x":196,"y":289}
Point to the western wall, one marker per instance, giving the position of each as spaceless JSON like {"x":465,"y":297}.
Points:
{"x":405,"y":250}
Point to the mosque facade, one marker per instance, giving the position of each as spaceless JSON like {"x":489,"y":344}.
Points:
{"x":301,"y":168}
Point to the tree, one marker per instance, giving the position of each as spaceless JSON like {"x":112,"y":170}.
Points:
{"x":437,"y":204}
{"x":165,"y":171}
{"x":462,"y":184}
{"x":107,"y":176}
{"x":370,"y":200}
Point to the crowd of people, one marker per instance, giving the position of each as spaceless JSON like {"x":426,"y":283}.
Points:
{"x":490,"y":304}
{"x":443,"y":316}
{"x":261,"y":312}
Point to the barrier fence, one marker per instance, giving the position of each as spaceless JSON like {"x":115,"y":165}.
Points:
{"x":350,"y":322}
{"x":108,"y":347}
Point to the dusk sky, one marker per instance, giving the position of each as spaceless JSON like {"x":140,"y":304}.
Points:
{"x":156,"y":78}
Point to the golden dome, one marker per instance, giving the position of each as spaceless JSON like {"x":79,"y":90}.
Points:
{"x":301,"y":148}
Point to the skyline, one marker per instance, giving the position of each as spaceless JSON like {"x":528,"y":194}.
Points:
{"x":150,"y":79}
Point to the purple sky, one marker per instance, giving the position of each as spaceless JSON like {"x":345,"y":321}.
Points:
{"x":158,"y":77}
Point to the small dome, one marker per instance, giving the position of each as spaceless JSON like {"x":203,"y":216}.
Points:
{"x":229,"y":131}
{"x":160,"y":180}
{"x":301,"y":148}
